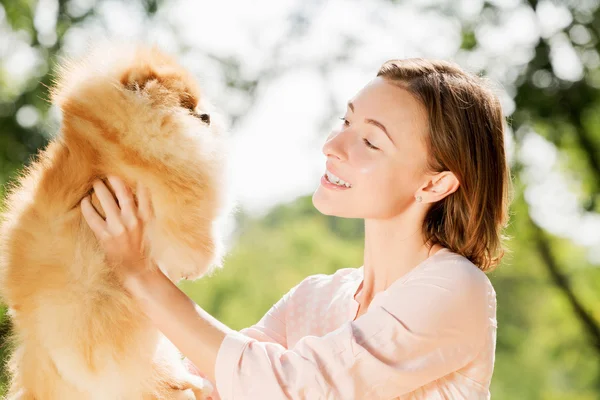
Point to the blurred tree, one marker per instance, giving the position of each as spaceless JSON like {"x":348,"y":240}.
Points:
{"x":565,"y":111}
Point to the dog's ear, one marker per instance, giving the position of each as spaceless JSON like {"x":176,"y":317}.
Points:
{"x":137,"y":78}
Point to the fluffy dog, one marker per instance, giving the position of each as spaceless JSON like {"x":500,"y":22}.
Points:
{"x":133,"y":112}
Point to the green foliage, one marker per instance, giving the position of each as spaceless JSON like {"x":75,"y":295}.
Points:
{"x":469,"y":41}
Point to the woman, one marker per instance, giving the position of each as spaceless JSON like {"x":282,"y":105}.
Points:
{"x":420,"y":157}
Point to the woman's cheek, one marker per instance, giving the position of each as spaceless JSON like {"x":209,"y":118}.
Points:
{"x":365,"y":164}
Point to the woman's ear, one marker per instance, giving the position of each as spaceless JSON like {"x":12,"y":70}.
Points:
{"x":438,"y":186}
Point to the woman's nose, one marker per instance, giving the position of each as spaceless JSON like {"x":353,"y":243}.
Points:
{"x":334,"y":146}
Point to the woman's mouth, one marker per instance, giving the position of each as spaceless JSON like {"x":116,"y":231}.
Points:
{"x":333,"y":182}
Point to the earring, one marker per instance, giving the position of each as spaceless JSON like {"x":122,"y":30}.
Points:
{"x":419,"y":199}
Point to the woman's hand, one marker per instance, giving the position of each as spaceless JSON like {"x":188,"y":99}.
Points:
{"x":121,"y":235}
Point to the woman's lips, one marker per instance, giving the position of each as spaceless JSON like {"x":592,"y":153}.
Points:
{"x":330,"y":185}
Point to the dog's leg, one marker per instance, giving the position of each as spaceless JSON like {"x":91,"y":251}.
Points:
{"x":33,"y":376}
{"x":183,"y":251}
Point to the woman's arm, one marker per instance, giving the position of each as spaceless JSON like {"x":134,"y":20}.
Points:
{"x":196,"y":333}
{"x":271,"y":328}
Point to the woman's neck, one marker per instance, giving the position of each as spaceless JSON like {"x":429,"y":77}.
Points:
{"x":392,"y":249}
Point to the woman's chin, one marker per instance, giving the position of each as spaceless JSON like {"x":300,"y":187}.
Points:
{"x":328,"y":206}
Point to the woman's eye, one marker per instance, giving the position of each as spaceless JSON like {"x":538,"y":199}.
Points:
{"x":369,"y":145}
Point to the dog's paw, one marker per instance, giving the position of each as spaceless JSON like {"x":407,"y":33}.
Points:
{"x":192,"y":387}
{"x":201,"y":387}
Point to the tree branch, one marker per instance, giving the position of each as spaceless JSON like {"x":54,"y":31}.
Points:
{"x":590,"y":325}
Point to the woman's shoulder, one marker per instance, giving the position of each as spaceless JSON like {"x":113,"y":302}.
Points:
{"x":455,"y":267}
{"x":456,"y":274}
{"x":448,"y":288}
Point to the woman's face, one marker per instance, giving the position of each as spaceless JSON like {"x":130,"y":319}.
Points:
{"x":384,"y":178}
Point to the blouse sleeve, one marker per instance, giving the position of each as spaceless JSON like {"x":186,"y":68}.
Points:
{"x":418,"y":332}
{"x":272,"y":326}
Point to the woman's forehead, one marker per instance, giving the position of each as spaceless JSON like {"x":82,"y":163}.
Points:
{"x":381,"y":95}
{"x":390,"y":104}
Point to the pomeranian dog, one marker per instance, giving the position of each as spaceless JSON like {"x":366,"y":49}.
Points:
{"x":130,"y":111}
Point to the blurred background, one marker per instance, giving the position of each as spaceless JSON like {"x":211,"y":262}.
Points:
{"x":282,"y":72}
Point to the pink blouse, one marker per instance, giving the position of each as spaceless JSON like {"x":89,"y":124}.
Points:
{"x":430,"y":335}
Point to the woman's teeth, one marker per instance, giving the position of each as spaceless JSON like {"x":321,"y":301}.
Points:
{"x":335,"y":180}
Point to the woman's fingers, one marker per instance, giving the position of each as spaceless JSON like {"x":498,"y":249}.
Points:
{"x":126,"y":202}
{"x":94,"y":220}
{"x":144,"y":203}
{"x":106,"y":200}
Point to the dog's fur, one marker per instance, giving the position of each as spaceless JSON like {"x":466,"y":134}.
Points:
{"x":133,"y":112}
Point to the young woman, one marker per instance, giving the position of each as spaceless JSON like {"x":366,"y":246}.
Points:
{"x":420,"y":157}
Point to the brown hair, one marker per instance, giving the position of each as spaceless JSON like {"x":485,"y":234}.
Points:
{"x":466,"y":137}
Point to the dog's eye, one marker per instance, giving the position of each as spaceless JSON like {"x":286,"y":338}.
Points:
{"x":204,"y":117}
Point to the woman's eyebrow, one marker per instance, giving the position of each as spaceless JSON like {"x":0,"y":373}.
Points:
{"x":373,"y":122}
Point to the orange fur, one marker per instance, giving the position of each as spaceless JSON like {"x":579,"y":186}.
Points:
{"x":135,"y":113}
